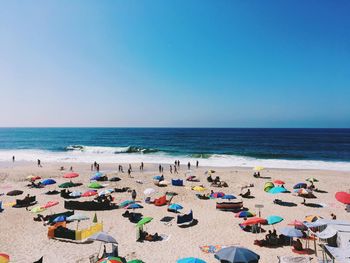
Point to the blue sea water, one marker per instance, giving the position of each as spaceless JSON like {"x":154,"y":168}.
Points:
{"x":295,"y":148}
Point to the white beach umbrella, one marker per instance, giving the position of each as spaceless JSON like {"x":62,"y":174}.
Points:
{"x":149,"y":191}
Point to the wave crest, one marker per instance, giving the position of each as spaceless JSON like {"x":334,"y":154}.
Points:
{"x":109,"y":150}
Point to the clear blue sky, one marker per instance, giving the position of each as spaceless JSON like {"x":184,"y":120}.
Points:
{"x":175,"y":63}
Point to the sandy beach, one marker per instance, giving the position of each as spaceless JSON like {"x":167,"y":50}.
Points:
{"x":26,"y":240}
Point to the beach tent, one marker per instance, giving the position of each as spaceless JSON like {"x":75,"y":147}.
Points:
{"x":177,"y":182}
{"x":268,"y":186}
{"x":277,"y":190}
{"x":237,"y":254}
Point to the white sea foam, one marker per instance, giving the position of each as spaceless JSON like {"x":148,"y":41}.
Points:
{"x":109,"y":156}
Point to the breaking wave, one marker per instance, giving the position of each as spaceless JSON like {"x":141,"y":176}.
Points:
{"x":109,"y":150}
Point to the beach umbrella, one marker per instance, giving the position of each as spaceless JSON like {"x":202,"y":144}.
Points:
{"x":70,"y":175}
{"x":217,"y":194}
{"x":144,"y":221}
{"x":50,"y":204}
{"x":77,"y":217}
{"x":343,"y":197}
{"x":89,"y":193}
{"x":312,"y":218}
{"x":210,"y":172}
{"x":190,"y":260}
{"x":75,"y":194}
{"x":48,"y":181}
{"x":175,"y":207}
{"x":99,"y":174}
{"x":126,"y":203}
{"x":272,"y":220}
{"x":296,"y":223}
{"x":157,"y":177}
{"x":228,"y":197}
{"x":103,"y":237}
{"x":290,"y":232}
{"x":110,"y":260}
{"x":243,"y":214}
{"x":37,"y":209}
{"x":258,"y":168}
{"x":149,"y":191}
{"x":96,"y":177}
{"x":311,"y":180}
{"x":114,"y":179}
{"x":199,"y":188}
{"x":4,"y":258}
{"x":279,"y":182}
{"x":95,"y":185}
{"x":254,"y":221}
{"x":60,"y":219}
{"x":105,"y":192}
{"x":277,"y":190}
{"x":33,"y":177}
{"x":135,"y":261}
{"x":14,"y":193}
{"x":300,"y":185}
{"x":302,"y":191}
{"x":66,"y":185}
{"x":134,"y":206}
{"x":236,"y":254}
{"x":268,"y":186}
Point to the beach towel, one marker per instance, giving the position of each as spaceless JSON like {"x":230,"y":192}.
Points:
{"x":211,"y":249}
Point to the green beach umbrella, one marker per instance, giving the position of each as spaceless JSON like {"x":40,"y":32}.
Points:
{"x":95,"y":185}
{"x":66,"y":185}
{"x":144,"y":221}
{"x":135,"y":261}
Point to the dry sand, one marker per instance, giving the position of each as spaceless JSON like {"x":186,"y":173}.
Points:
{"x":26,"y":241}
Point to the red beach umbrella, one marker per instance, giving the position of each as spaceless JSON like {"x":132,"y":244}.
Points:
{"x":254,"y":221}
{"x":50,"y":204}
{"x":70,"y":175}
{"x":343,"y":197}
{"x":296,"y":223}
{"x":89,"y":193}
{"x":280,"y":182}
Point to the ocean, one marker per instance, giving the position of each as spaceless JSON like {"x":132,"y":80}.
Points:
{"x":224,"y":147}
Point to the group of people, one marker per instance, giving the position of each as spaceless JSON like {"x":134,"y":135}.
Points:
{"x":95,"y":166}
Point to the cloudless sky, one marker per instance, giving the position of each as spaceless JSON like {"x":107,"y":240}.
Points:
{"x":183,"y":63}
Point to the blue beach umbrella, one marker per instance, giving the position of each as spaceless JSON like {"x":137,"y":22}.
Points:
{"x":134,"y":206}
{"x":229,"y":197}
{"x":60,"y":219}
{"x":277,"y":190}
{"x":190,"y":260}
{"x":271,"y":220}
{"x":300,"y":185}
{"x":175,"y":207}
{"x":236,"y":254}
{"x":157,"y":177}
{"x":126,"y":203}
{"x":48,"y":181}
{"x":290,"y":232}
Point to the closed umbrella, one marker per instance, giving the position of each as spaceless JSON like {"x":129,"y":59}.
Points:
{"x":235,"y":254}
{"x":48,"y":181}
{"x":272,"y":220}
{"x":103,"y":237}
{"x":70,"y":175}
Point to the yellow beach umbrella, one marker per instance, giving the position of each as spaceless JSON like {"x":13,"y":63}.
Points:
{"x":199,"y":188}
{"x":312,"y":218}
{"x":258,"y":168}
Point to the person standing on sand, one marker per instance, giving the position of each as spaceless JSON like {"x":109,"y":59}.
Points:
{"x":133,"y":195}
{"x":92,"y":167}
{"x":175,"y":170}
{"x":197,"y":164}
{"x":160,"y":168}
{"x":97,"y":167}
{"x":39,"y":163}
{"x":130,"y":168}
{"x":188,"y":166}
{"x":178,"y":164}
{"x":171,"y":169}
{"x":13,"y":159}
{"x":141,"y":167}
{"x":175,"y":163}
{"x":129,"y":172}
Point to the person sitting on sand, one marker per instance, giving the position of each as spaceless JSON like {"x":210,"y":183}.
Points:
{"x":334,"y":217}
{"x":209,"y":179}
{"x":268,"y":235}
{"x":297,"y":245}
